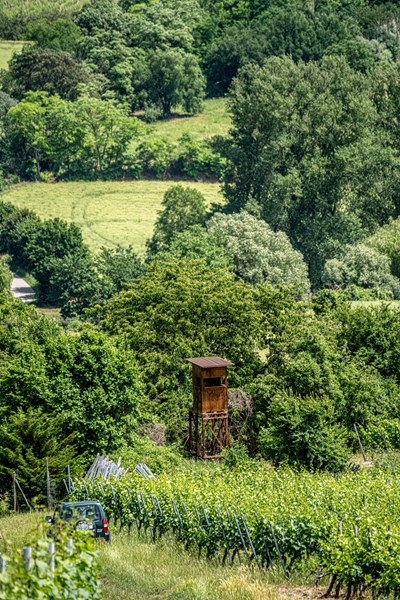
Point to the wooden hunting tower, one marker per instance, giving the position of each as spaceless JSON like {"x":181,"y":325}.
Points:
{"x":208,"y":419}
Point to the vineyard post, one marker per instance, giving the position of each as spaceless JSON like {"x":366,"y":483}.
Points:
{"x":14,"y":486}
{"x":48,"y":485}
{"x":51,"y":548}
{"x":359,"y":442}
{"x":27,"y":557}
{"x":22,"y":492}
{"x":278,"y":551}
{"x":241,"y":537}
{"x":3,"y":565}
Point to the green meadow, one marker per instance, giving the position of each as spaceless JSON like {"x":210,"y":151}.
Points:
{"x":213,"y":120}
{"x":109,"y":212}
{"x":7,"y":49}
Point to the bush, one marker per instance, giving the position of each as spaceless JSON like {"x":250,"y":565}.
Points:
{"x":302,"y":432}
{"x":155,"y":156}
{"x":258,"y":253}
{"x":5,"y":277}
{"x":383,"y":435}
{"x":196,"y":159}
{"x":362,"y":267}
{"x":182,"y":207}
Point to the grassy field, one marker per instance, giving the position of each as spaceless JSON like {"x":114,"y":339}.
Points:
{"x":110,"y":213}
{"x":7,"y":49}
{"x":133,"y":569}
{"x":214,"y":120}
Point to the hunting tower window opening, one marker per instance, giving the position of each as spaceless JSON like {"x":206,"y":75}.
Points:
{"x":214,"y":381}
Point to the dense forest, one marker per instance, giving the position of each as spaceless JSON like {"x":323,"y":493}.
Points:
{"x":294,"y":276}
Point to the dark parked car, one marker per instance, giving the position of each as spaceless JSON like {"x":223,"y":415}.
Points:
{"x":88,"y":515}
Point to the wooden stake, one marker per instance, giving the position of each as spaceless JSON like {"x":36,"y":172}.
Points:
{"x":360,"y":444}
{"x":48,"y":485}
{"x":14,"y":494}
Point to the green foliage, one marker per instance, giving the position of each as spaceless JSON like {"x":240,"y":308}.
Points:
{"x":140,"y":449}
{"x":75,"y":576}
{"x":15,"y":18}
{"x":384,"y":435}
{"x":302,"y":432}
{"x":196,"y":242}
{"x":120,"y":265}
{"x":289,"y":515}
{"x":175,"y":78}
{"x":62,"y":35}
{"x":86,"y":380}
{"x":27,"y":439}
{"x":86,"y":138}
{"x":75,"y":284}
{"x":5,"y":277}
{"x":178,"y":309}
{"x":361,"y":266}
{"x":182,"y":207}
{"x":387,"y":241}
{"x":258,"y":254}
{"x":189,"y":157}
{"x":332,"y":175}
{"x":48,"y":70}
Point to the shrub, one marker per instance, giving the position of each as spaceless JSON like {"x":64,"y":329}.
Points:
{"x":363,"y":267}
{"x":302,"y":432}
{"x":258,"y":253}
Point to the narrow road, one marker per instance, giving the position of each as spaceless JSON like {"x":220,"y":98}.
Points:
{"x":22,"y":290}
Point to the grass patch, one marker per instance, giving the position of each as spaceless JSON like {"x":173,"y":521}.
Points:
{"x":109,"y":213}
{"x":214,"y":120}
{"x":133,"y":568}
{"x":393,"y":304}
{"x":7,"y":50}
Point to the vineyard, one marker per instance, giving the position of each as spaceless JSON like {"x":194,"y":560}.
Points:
{"x":64,"y":569}
{"x":345,"y":526}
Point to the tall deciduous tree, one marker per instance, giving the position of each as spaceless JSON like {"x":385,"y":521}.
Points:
{"x":175,"y":77}
{"x":306,"y":146}
{"x":259,"y":254}
{"x":181,"y":208}
{"x":47,"y":70}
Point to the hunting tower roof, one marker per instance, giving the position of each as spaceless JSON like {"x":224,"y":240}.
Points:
{"x":209,"y":362}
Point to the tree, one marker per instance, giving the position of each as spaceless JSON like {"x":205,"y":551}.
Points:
{"x":363,"y":267}
{"x":46,"y":70}
{"x":106,"y":132}
{"x":258,"y":254}
{"x":183,"y":308}
{"x":307,"y":147}
{"x":120,"y":265}
{"x":182,"y":207}
{"x":387,"y":242}
{"x":61,"y":35}
{"x":27,"y":439}
{"x":86,"y":138}
{"x":88,"y":382}
{"x":175,"y":77}
{"x":42,"y":241}
{"x":167,"y":24}
{"x":75,"y":284}
{"x":302,"y":432}
{"x":26,"y":137}
{"x":195,"y":242}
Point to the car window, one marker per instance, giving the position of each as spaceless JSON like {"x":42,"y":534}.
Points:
{"x":88,"y":511}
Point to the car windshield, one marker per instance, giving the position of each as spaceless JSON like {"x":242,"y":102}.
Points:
{"x":87,"y":511}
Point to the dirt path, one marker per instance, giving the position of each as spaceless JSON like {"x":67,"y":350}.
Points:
{"x":22,"y":290}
